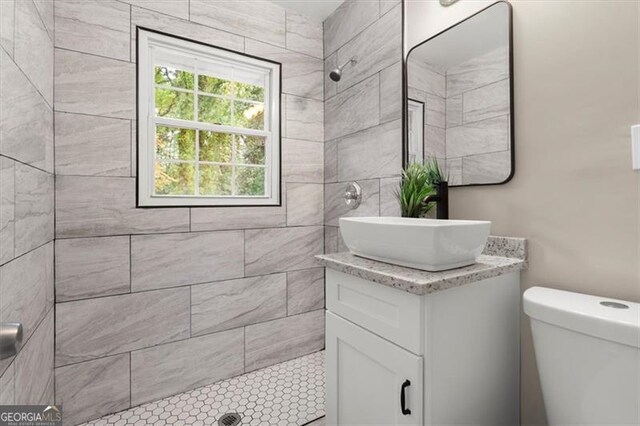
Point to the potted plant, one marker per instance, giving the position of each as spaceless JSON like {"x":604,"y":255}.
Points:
{"x":420,"y":187}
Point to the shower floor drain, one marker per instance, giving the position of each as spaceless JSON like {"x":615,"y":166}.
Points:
{"x":229,"y":419}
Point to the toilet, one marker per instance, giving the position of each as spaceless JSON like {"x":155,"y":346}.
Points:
{"x":588,"y":354}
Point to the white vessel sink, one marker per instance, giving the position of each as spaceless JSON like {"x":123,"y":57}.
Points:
{"x":427,"y":244}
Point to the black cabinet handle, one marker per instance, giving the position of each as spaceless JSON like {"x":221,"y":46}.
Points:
{"x":405,"y":411}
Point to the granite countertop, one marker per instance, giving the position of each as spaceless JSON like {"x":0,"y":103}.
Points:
{"x":492,"y":263}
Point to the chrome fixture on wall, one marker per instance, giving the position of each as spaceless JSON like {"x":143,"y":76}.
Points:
{"x":10,"y":338}
{"x":353,"y":195}
{"x":336,"y":73}
{"x":446,"y":3}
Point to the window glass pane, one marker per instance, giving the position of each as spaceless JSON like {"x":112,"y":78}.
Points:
{"x":250,"y":149}
{"x":215,"y":146}
{"x":169,"y":76}
{"x":174,"y":104}
{"x":215,"y":180}
{"x":174,"y":179}
{"x":214,"y":110}
{"x":173,"y":143}
{"x":249,"y":116}
{"x":249,"y":92}
{"x":217,"y":86}
{"x":250,"y":180}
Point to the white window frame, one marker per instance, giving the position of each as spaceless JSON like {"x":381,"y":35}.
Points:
{"x":148,"y":41}
{"x":416,"y":131}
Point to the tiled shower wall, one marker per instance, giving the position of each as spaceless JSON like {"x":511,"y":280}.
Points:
{"x":363,"y":112}
{"x":27,"y":197}
{"x":152,"y":302}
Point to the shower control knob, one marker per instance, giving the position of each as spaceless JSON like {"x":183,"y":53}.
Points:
{"x":353,"y":195}
{"x":10,"y":338}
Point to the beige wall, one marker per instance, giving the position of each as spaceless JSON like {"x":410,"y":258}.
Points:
{"x":574,"y":195}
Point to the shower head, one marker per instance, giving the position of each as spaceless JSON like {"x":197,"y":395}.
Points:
{"x":336,"y":73}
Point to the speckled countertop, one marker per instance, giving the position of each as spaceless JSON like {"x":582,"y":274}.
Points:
{"x":490,"y":264}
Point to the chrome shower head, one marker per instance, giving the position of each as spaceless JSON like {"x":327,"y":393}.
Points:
{"x":336,"y":73}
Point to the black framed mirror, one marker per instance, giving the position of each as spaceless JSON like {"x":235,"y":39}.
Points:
{"x":459,"y":99}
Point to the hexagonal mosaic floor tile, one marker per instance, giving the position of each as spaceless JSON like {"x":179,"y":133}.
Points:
{"x":286,"y":394}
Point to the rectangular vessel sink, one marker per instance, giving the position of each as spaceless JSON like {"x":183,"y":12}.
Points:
{"x":427,"y":244}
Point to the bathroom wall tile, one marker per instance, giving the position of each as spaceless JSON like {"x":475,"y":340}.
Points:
{"x":303,"y":34}
{"x":417,"y":95}
{"x":454,"y":170}
{"x":176,"y":367}
{"x":330,"y":86}
{"x":387,"y":5}
{"x":45,"y":10}
{"x":480,"y":137}
{"x":260,"y":20}
{"x":100,"y":27}
{"x":285,"y":249}
{"x":435,"y":111}
{"x":177,"y":8}
{"x":305,"y":204}
{"x":91,"y":389}
{"x":486,"y":102}
{"x":349,"y":19}
{"x":454,"y":111}
{"x":486,"y":168}
{"x":34,"y":48}
{"x":425,"y":78}
{"x":302,"y":75}
{"x":179,"y":27}
{"x":376,"y":48}
{"x":283,"y":339}
{"x":34,"y":366}
{"x":26,"y":121}
{"x":330,"y":239}
{"x":91,"y":267}
{"x":356,"y":108}
{"x":479,"y":71}
{"x":33,"y":208}
{"x":7,"y":25}
{"x":94,"y":328}
{"x":389,"y":204}
{"x":92,"y":146}
{"x":7,"y":389}
{"x":305,"y":291}
{"x":235,"y":303}
{"x":94,"y":85}
{"x":197,"y":258}
{"x":304,"y":119}
{"x":26,"y":285}
{"x":218,"y":219}
{"x":371,"y":153}
{"x":335,"y":207}
{"x":7,"y":209}
{"x":434,"y":141}
{"x":391,"y":93}
{"x":331,"y":161}
{"x":96,"y":206}
{"x":302,"y":161}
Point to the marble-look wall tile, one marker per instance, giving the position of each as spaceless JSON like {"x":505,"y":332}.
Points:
{"x":454,"y":111}
{"x":179,"y":27}
{"x":91,"y":267}
{"x":302,"y":161}
{"x":33,"y":208}
{"x":92,"y":146}
{"x":335,"y":207}
{"x":480,"y":137}
{"x":356,"y":108}
{"x":486,"y":102}
{"x":435,"y":111}
{"x":45,"y":10}
{"x":7,"y":209}
{"x":435,"y":141}
{"x":218,"y":219}
{"x":391,"y":93}
{"x":305,"y":204}
{"x":34,"y":375}
{"x":26,"y":285}
{"x":454,"y":170}
{"x":303,"y":34}
{"x":94,"y":328}
{"x":235,"y":303}
{"x":488,"y":68}
{"x":26,"y":121}
{"x":375,"y":152}
{"x":422,"y":77}
{"x":34,"y":48}
{"x":97,"y":206}
{"x":7,"y":25}
{"x":376,"y":48}
{"x":389,"y":204}
{"x":259,"y":19}
{"x":194,"y":258}
{"x":486,"y":168}
{"x":349,"y":19}
{"x":330,"y":86}
{"x":91,"y":389}
{"x":275,"y":341}
{"x":177,"y":8}
{"x":302,"y":75}
{"x":7,"y":388}
{"x":285,"y":249}
{"x":100,"y":27}
{"x":304,"y":118}
{"x":94,"y":85}
{"x":331,"y":239}
{"x":176,"y":367}
{"x":387,"y":5}
{"x":331,"y":161}
{"x":305,"y":291}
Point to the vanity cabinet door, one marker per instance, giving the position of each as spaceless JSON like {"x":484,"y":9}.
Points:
{"x":367,"y":377}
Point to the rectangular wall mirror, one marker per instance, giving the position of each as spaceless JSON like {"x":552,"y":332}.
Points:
{"x":460,"y":99}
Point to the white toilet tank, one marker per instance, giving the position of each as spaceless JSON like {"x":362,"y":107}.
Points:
{"x":588,"y":354}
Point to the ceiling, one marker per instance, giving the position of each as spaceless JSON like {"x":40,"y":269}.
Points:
{"x":315,"y":9}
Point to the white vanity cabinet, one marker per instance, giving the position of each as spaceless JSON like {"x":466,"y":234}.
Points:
{"x":446,"y":357}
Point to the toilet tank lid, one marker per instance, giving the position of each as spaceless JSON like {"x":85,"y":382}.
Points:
{"x":585,"y":314}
